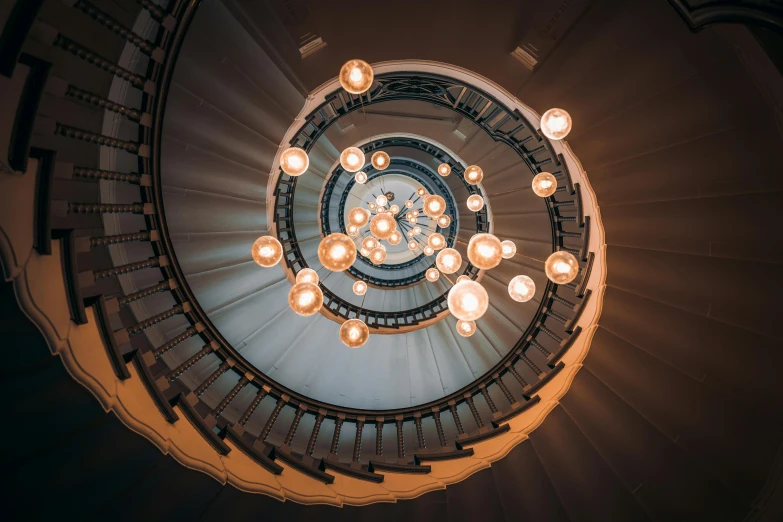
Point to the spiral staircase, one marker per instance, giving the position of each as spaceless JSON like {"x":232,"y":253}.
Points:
{"x":152,"y":370}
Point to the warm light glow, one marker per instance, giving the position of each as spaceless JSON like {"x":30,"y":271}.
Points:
{"x":436,"y":241}
{"x":380,"y":160}
{"x":356,"y":76}
{"x":361,"y":177}
{"x":444,"y":221}
{"x":352,"y":230}
{"x":468,"y":300}
{"x":381,"y":200}
{"x":466,"y":328}
{"x":444,"y":169}
{"x":485,"y":251}
{"x":463,"y":278}
{"x":412,"y":245}
{"x":354,"y":333}
{"x":474,"y":174}
{"x":307,"y":275}
{"x":305,"y":298}
{"x":408,"y":203}
{"x":544,"y":184}
{"x":509,"y":249}
{"x":337,"y":252}
{"x":364,"y":252}
{"x":358,"y":216}
{"x":360,"y":288}
{"x":411,"y":233}
{"x":267,"y":251}
{"x":294,"y":161}
{"x":561,"y":267}
{"x":428,"y":250}
{"x":421,"y":191}
{"x":556,"y":124}
{"x":521,"y":288}
{"x":394,"y":209}
{"x":412,"y":220}
{"x":378,"y":255}
{"x":432,"y":275}
{"x":383,"y":225}
{"x":415,"y":213}
{"x":352,"y":159}
{"x":417,"y":230}
{"x":369,"y":242}
{"x":395,"y":238}
{"x":475,"y":203}
{"x":434,"y":205}
{"x":448,"y":260}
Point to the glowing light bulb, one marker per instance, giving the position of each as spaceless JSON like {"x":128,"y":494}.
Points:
{"x":412,"y":245}
{"x":412,"y":220}
{"x":369,"y":242}
{"x":411,"y":233}
{"x":434,"y":205}
{"x":380,"y":160}
{"x":361,"y":177}
{"x":394,"y":209}
{"x":475,"y":203}
{"x":381,"y":200}
{"x":337,"y":252}
{"x":474,"y":174}
{"x":364,"y":252}
{"x":432,"y":275}
{"x":468,"y":300}
{"x":354,"y":333}
{"x":307,"y":275}
{"x":421,"y":191}
{"x":378,"y":255}
{"x":436,"y":241}
{"x":448,"y":260}
{"x":556,"y":124}
{"x":395,"y":238}
{"x":561,"y":267}
{"x":417,"y":230}
{"x":352,"y":159}
{"x":383,"y":225}
{"x":485,"y":251}
{"x":352,"y":230}
{"x":360,"y":288}
{"x":356,"y":76}
{"x":444,"y":221}
{"x":428,"y":250}
{"x":466,"y":328}
{"x":305,"y":298}
{"x":444,"y":169}
{"x":294,"y":161}
{"x":521,"y":288}
{"x":509,"y":249}
{"x":408,"y":203}
{"x":358,"y":217}
{"x":415,"y":213}
{"x":267,"y":251}
{"x":463,"y":278}
{"x":371,"y":205}
{"x":544,"y":184}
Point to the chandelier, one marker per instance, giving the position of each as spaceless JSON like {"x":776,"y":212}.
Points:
{"x":467,"y":299}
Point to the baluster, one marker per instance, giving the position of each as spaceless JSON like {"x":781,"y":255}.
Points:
{"x":252,"y":407}
{"x":116,"y":27}
{"x":562,"y":301}
{"x":243,"y":381}
{"x":474,"y":411}
{"x":103,"y":103}
{"x":539,"y":347}
{"x":145,"y":235}
{"x":530,"y":364}
{"x":78,"y":50}
{"x":338,"y":425}
{"x":379,"y":436}
{"x":155,"y":10}
{"x":190,"y":332}
{"x":152,"y":290}
{"x":109,"y":175}
{"x":439,"y":427}
{"x":400,"y":437}
{"x":99,"y":139}
{"x":503,"y":388}
{"x":556,"y":316}
{"x":108,"y":208}
{"x":294,"y":424}
{"x":314,"y":435}
{"x":521,"y":380}
{"x":357,"y":443}
{"x":488,"y":398}
{"x":153,"y":262}
{"x":182,"y":368}
{"x":419,"y":431}
{"x":155,"y":319}
{"x":223,"y":368}
{"x":550,"y":333}
{"x":272,"y":418}
{"x":457,"y":420}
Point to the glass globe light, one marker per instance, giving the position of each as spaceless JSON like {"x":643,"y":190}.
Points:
{"x":354,"y":333}
{"x":415,"y":213}
{"x":360,"y":288}
{"x":352,"y":230}
{"x":307,"y":275}
{"x":378,"y":255}
{"x":352,"y":159}
{"x":466,"y":328}
{"x":412,"y":245}
{"x":381,"y":200}
{"x":361,"y":177}
{"x":394,"y":209}
{"x":444,"y":221}
{"x":561,"y":267}
{"x":371,"y":205}
{"x":421,"y":191}
{"x":267,"y":251}
{"x":364,"y":252}
{"x":356,"y":76}
{"x":432,"y":275}
{"x":544,"y":184}
{"x":434,"y":205}
{"x":521,"y":288}
{"x":468,"y":300}
{"x":436,"y":241}
{"x":380,"y":210}
{"x":556,"y":124}
{"x":383,"y":225}
{"x":294,"y":161}
{"x":508,"y":248}
{"x":448,"y":260}
{"x":474,"y":174}
{"x":485,"y":251}
{"x":380,"y":160}
{"x":395,"y":238}
{"x":408,"y":203}
{"x":412,"y":221}
{"x":358,"y":216}
{"x":444,"y":169}
{"x":305,"y":298}
{"x":337,"y":252}
{"x":411,"y":233}
{"x":475,"y":203}
{"x":463,"y":278}
{"x":428,"y":250}
{"x":369,"y":242}
{"x":417,"y":230}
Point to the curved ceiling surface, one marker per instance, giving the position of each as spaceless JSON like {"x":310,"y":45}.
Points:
{"x":222,"y":130}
